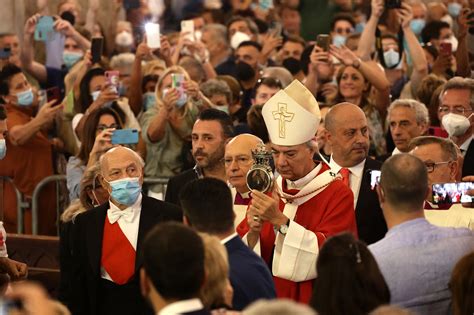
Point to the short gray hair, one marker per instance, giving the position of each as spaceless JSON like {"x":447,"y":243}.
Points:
{"x":450,"y":150}
{"x":459,"y":83}
{"x":219,"y":32}
{"x":214,"y":86}
{"x":421,"y":112}
{"x":123,"y":61}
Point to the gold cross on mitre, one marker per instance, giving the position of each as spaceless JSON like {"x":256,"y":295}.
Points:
{"x":283,"y":116}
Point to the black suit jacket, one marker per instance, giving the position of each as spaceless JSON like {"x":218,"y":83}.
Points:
{"x":371,"y":223}
{"x":176,"y":183}
{"x":249,"y":275}
{"x":90,"y":293}
{"x":468,"y":166}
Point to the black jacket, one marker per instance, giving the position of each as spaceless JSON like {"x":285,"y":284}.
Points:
{"x":176,"y":183}
{"x":91,"y":294}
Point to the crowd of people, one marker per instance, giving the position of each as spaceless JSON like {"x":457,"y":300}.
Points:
{"x":318,"y":155}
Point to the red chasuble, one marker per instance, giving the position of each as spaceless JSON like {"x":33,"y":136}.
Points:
{"x":328,"y":213}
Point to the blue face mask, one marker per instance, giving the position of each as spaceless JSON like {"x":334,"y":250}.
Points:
{"x":70,"y":58}
{"x":3,"y":148}
{"x":359,"y":27}
{"x":454,"y":9}
{"x":339,"y":40}
{"x":391,"y":58}
{"x":149,"y":100}
{"x":126,"y":190}
{"x":417,"y":25}
{"x":122,"y":90}
{"x":25,"y":98}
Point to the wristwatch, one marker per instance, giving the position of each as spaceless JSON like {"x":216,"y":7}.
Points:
{"x":283,"y":229}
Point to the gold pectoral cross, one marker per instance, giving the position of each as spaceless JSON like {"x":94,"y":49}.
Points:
{"x":283,"y":116}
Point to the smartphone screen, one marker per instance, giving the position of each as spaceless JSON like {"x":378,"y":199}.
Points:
{"x":125,"y":136}
{"x":113,"y":78}
{"x":96,"y":49}
{"x":44,"y":30}
{"x":275,"y":29}
{"x":187,"y":26}
{"x":177,"y":80}
{"x":448,"y":193}
{"x":374,"y":178}
{"x":153,"y":35}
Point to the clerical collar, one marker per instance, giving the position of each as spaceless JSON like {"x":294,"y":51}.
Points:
{"x":300,"y":183}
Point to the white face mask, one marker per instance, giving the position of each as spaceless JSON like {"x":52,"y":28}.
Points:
{"x":124,"y":39}
{"x":238,"y":38}
{"x":456,"y":125}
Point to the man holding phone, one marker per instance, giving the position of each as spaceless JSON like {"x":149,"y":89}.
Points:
{"x":441,"y":160}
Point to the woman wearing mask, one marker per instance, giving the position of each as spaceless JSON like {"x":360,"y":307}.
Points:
{"x":97,"y":133}
{"x":167,"y":126}
{"x":96,"y":93}
{"x":354,"y":80}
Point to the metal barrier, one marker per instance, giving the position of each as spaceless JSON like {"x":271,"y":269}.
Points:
{"x":162,"y":181}
{"x":20,"y":205}
{"x":35,"y":201}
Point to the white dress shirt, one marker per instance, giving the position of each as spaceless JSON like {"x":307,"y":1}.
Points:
{"x":185,"y":306}
{"x":228,"y":238}
{"x":396,"y":151}
{"x":129,"y":229}
{"x":355,"y":177}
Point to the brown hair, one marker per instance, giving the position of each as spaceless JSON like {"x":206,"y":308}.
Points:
{"x":429,"y":86}
{"x":217,"y":269}
{"x":462,"y":286}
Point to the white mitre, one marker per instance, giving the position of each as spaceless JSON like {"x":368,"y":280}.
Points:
{"x":292,"y":115}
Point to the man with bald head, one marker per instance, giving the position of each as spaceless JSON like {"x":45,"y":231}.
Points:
{"x":348,"y":136}
{"x":107,"y":238}
{"x":238,"y":161}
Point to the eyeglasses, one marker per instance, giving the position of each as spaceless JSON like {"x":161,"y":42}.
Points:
{"x":102,"y":127}
{"x":240,"y":160}
{"x":430,"y":166}
{"x":344,"y":30}
{"x":456,"y":110}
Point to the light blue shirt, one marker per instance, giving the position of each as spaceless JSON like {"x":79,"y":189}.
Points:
{"x":417,"y":258}
{"x":74,"y":172}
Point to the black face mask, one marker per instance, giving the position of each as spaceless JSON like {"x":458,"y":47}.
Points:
{"x":292,"y":64}
{"x":68,"y":16}
{"x":244,"y":71}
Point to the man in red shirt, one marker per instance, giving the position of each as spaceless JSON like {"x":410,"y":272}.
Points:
{"x":308,"y":204}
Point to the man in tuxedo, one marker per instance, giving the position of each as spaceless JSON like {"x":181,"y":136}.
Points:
{"x":456,"y":116}
{"x":210,"y":133}
{"x":238,"y":160}
{"x":172,"y":276}
{"x":348,"y":136}
{"x":107,"y":238}
{"x":207,"y":207}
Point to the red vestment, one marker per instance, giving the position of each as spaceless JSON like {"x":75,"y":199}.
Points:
{"x":328,"y":213}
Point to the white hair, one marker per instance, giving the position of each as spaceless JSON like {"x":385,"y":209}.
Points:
{"x":123,"y":61}
{"x":421,"y":112}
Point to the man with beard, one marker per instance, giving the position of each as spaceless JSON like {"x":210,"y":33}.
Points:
{"x":246,"y":58}
{"x":348,"y":136}
{"x":309,"y":203}
{"x":210,"y":133}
